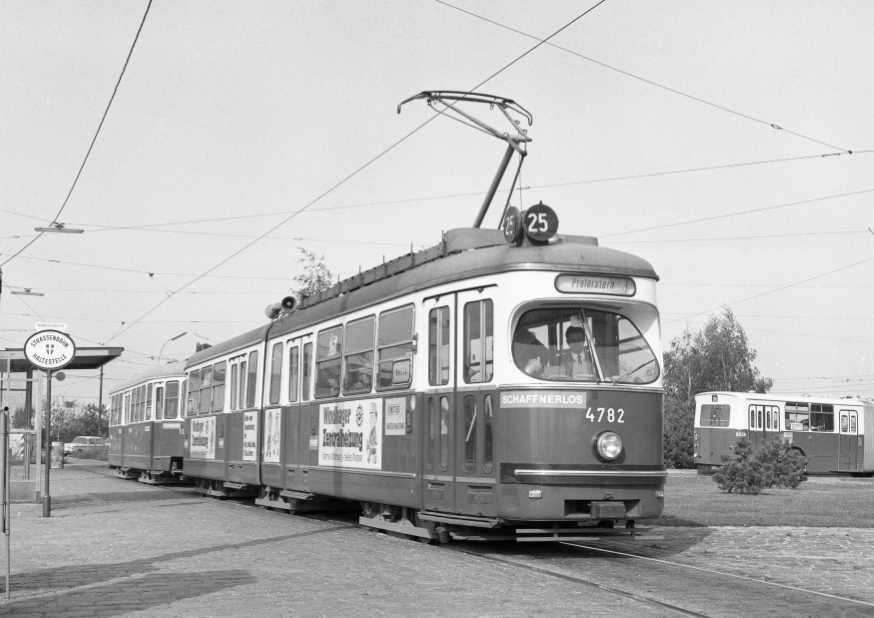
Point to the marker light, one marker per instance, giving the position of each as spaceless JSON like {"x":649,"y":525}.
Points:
{"x":608,"y":446}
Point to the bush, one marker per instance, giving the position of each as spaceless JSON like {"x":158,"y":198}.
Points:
{"x":100,"y":453}
{"x":774,"y":463}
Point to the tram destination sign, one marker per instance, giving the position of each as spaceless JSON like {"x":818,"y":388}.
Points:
{"x":50,"y":349}
{"x":591,"y":284}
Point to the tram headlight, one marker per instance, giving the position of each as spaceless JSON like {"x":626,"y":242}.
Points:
{"x":608,"y":446}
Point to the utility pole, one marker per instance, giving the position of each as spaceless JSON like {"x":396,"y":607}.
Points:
{"x":100,"y":403}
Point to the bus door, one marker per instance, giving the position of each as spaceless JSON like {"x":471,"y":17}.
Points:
{"x":474,"y":403}
{"x":849,"y":440}
{"x":438,"y":468}
{"x":757,"y":424}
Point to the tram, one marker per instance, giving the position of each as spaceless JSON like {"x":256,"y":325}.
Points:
{"x":830,"y":432}
{"x":502,"y":384}
{"x":145,"y":425}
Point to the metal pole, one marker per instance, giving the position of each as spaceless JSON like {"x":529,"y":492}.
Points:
{"x":100,"y":403}
{"x":47,"y":498}
{"x":4,"y":445}
{"x":494,"y":187}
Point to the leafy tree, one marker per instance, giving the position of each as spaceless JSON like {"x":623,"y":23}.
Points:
{"x":314,"y":278}
{"x":749,"y":471}
{"x":716,"y":358}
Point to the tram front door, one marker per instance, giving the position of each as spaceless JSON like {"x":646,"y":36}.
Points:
{"x":849,"y":440}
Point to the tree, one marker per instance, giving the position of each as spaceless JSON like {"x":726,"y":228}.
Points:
{"x":314,"y":278}
{"x":716,"y":358}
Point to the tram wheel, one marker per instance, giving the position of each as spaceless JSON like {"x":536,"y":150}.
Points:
{"x":371,"y":510}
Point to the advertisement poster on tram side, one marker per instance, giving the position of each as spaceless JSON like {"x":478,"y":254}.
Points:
{"x":272,"y":431}
{"x":203,"y":438}
{"x":395,"y":416}
{"x":250,"y":436}
{"x":350,"y":434}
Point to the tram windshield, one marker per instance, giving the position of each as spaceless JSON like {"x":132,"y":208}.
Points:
{"x":583,"y":345}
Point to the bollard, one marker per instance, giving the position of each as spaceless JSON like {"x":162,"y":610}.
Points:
{"x":57,"y":455}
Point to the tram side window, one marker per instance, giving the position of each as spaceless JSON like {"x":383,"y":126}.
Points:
{"x":307,"y":371}
{"x":127,"y":407}
{"x":478,"y":341}
{"x":276,"y":373}
{"x":470,"y":414}
{"x":329,"y":348}
{"x":797,"y":416}
{"x":251,"y":378}
{"x":242,"y":394}
{"x":171,"y":401}
{"x":444,"y":433}
{"x":219,"y":373}
{"x":149,"y":402}
{"x":488,"y":443}
{"x":438,"y":346}
{"x":235,"y":384}
{"x":715,"y":415}
{"x":159,"y":403}
{"x":822,"y":417}
{"x":205,"y":390}
{"x":395,"y":348}
{"x":293,"y":373}
{"x":358,"y":365}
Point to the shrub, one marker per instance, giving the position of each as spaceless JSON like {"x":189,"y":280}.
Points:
{"x":749,"y":471}
{"x":100,"y":453}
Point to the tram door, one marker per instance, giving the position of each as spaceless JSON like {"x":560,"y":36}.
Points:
{"x":849,"y":440}
{"x":438,"y":474}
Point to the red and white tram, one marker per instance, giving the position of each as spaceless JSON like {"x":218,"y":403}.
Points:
{"x":830,"y":432}
{"x":145,"y":425}
{"x":479,"y":389}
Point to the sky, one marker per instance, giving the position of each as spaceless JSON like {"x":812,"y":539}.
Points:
{"x":729,"y":144}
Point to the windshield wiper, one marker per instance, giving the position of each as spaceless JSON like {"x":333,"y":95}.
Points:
{"x":628,"y":373}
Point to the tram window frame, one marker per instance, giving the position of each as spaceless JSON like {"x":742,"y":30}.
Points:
{"x":149,"y":389}
{"x":183,"y":394}
{"x":443,"y":435}
{"x":251,"y":378}
{"x":359,"y":354}
{"x":192,"y":402}
{"x":488,"y":435}
{"x":293,"y":372}
{"x":126,"y":410}
{"x":244,"y":368}
{"x":235,"y":382}
{"x":205,"y":389}
{"x":329,"y":361}
{"x":439,"y":346}
{"x":470,"y":415}
{"x":159,"y":402}
{"x":307,"y":378}
{"x":706,"y":416}
{"x":395,"y":348}
{"x":276,"y":357}
{"x":853,"y":423}
{"x":822,"y":417}
{"x":219,"y":377}
{"x":485,"y":329}
{"x":171,"y":397}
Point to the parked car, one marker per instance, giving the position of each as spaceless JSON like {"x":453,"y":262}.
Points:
{"x":83,"y":444}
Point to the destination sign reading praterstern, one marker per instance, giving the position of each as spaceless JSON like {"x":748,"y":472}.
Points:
{"x":50,"y":349}
{"x":543,"y":399}
{"x":589,"y":284}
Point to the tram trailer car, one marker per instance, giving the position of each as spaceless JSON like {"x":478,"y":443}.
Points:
{"x":837,"y":435}
{"x":438,"y":392}
{"x":145,"y":425}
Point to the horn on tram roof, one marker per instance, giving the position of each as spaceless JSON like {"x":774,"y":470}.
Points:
{"x":287,"y":305}
{"x":271,"y":311}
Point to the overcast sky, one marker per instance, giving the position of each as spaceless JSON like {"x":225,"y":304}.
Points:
{"x":711,"y":138}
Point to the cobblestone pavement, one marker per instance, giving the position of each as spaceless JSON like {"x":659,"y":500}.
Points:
{"x":121,"y":548}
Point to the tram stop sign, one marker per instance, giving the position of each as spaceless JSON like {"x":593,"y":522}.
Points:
{"x":49,"y":349}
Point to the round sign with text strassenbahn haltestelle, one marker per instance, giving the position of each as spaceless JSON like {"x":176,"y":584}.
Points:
{"x":50,"y":349}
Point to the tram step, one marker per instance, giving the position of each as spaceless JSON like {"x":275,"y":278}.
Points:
{"x":460,"y":520}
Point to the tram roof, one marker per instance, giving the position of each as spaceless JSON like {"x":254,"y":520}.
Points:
{"x":790,"y":397}
{"x":161,"y":371}
{"x":463,"y":254}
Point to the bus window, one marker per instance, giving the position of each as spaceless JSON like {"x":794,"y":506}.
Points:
{"x":797,"y":416}
{"x":358,"y":362}
{"x":845,"y":426}
{"x":715,"y":415}
{"x":395,"y":348}
{"x":759,"y":412}
{"x":251,"y":379}
{"x":293,"y":373}
{"x":219,"y":371}
{"x":329,"y":348}
{"x":822,"y":417}
{"x":852,"y":423}
{"x":752,"y":417}
{"x":438,"y":346}
{"x":307,"y":370}
{"x":470,"y":419}
{"x":171,"y":402}
{"x":478,"y":341}
{"x":276,"y":373}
